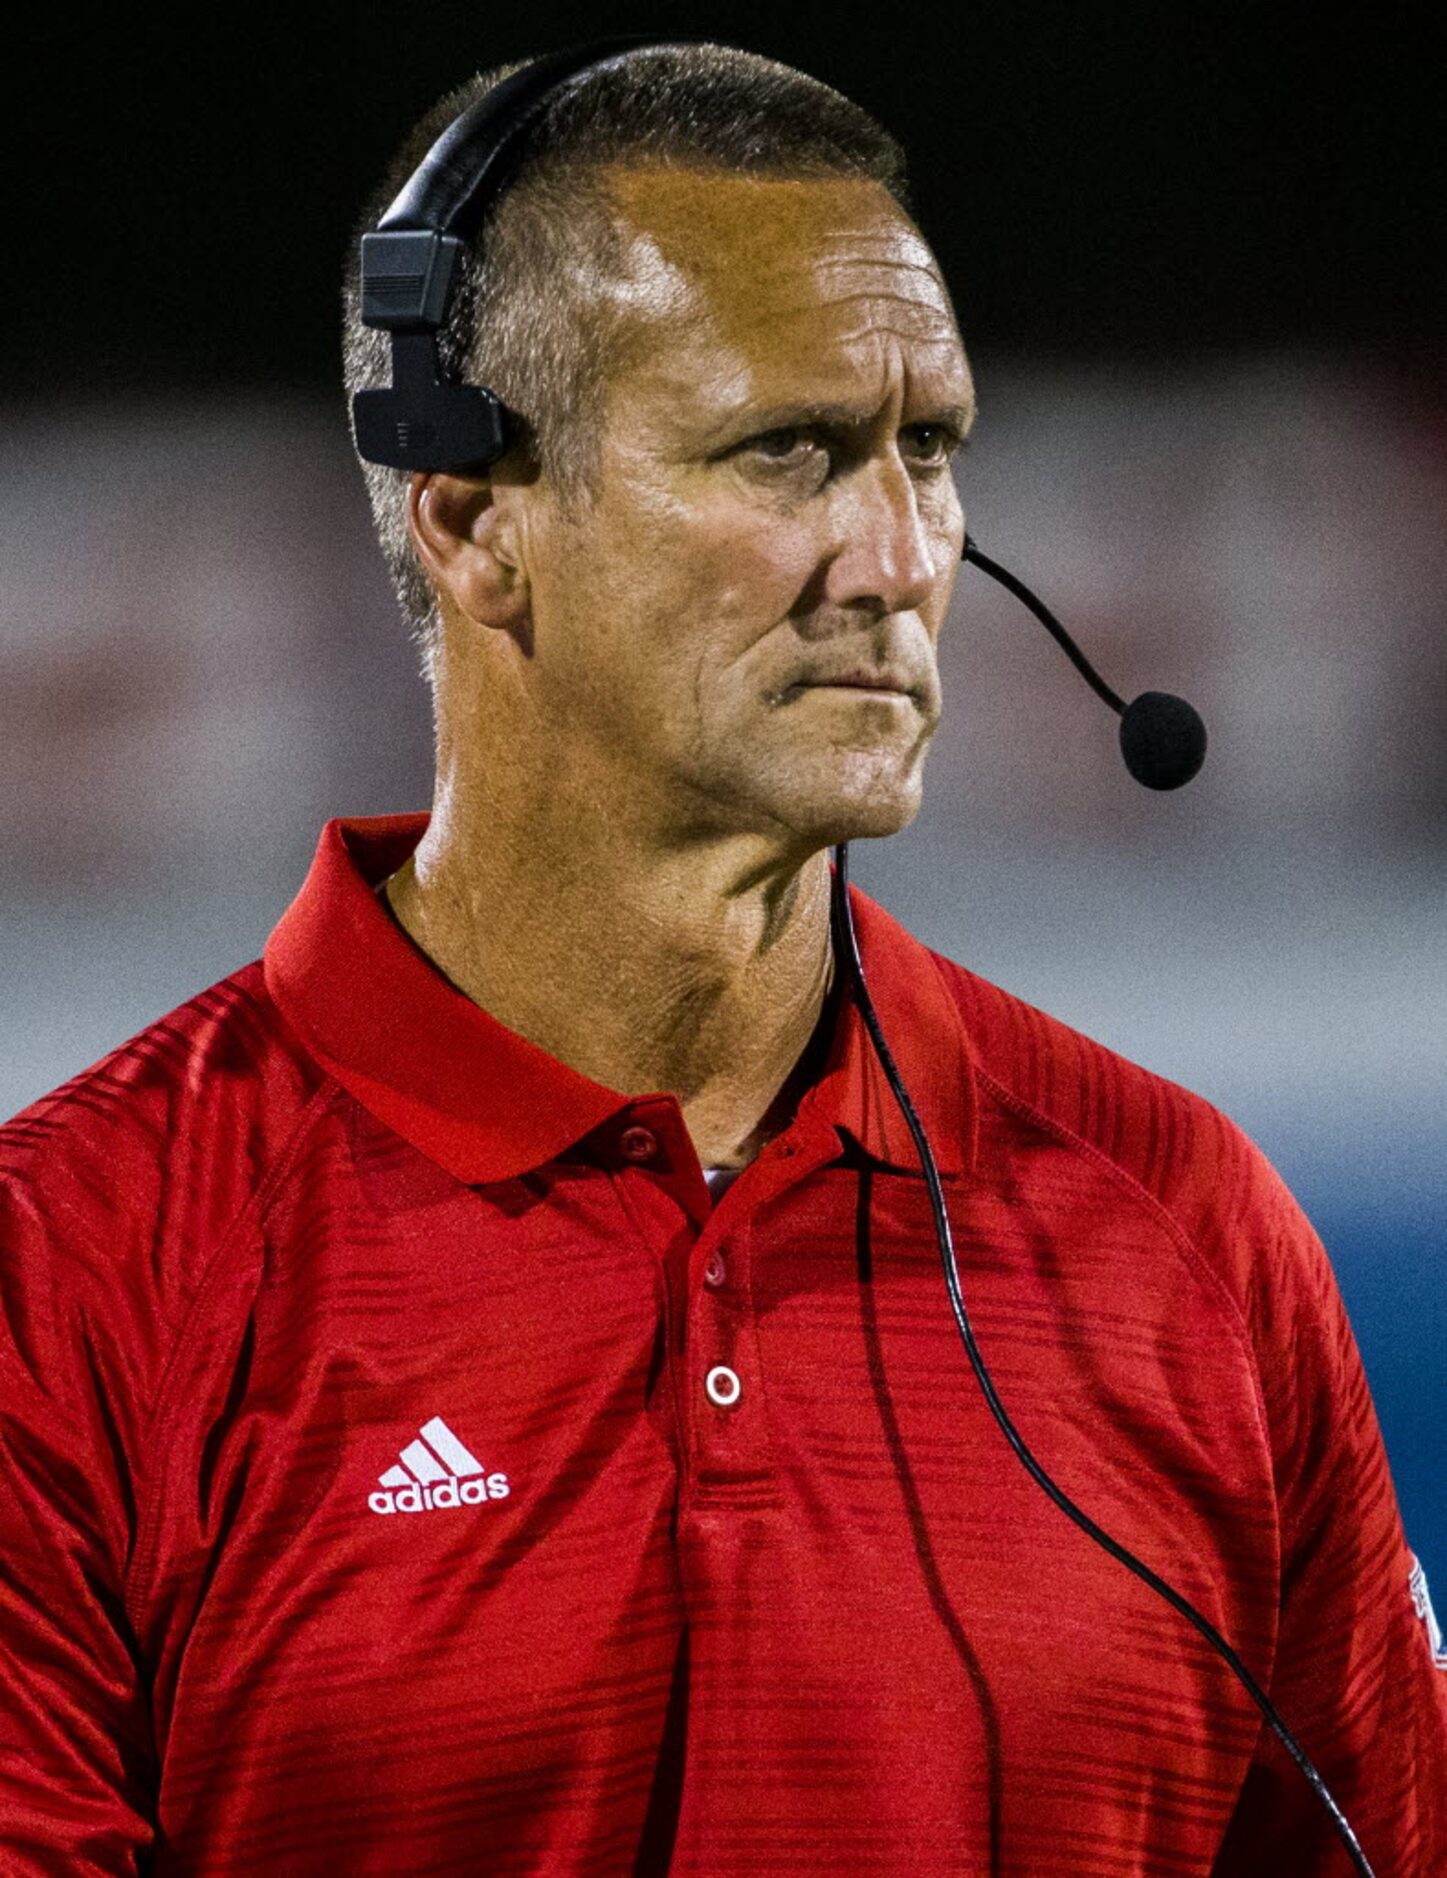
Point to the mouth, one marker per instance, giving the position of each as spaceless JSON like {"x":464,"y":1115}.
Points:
{"x":870,"y":691}
{"x":863,"y":683}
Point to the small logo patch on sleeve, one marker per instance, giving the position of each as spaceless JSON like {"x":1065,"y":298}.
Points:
{"x":1422,"y":1604}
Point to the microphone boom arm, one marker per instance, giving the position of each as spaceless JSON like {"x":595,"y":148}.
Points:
{"x":1048,"y":620}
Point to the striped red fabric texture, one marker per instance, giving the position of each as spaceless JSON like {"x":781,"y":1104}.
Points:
{"x":407,"y":1467}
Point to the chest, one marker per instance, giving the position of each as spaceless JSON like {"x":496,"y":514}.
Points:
{"x":479,"y":1473}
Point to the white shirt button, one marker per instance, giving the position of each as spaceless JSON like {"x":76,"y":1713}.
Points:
{"x":715,"y":1272}
{"x":723,"y":1386}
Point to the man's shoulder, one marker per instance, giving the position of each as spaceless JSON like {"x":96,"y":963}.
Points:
{"x":168,"y":1135}
{"x":1043,"y":1083}
{"x":223,"y":1049}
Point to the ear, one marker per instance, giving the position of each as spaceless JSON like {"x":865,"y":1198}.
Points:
{"x":467,"y":540}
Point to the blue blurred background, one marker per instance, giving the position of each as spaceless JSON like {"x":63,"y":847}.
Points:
{"x":1195,"y":275}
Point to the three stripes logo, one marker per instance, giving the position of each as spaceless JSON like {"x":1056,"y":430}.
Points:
{"x":434,"y":1471}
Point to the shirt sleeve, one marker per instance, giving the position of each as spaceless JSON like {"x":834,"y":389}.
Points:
{"x":76,"y":1762}
{"x":1356,"y":1677}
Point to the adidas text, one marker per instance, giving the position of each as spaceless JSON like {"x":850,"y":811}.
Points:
{"x":419,"y":1499}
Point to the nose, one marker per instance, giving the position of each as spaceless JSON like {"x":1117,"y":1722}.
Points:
{"x":884,"y":561}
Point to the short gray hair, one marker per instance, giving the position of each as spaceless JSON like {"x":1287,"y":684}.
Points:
{"x":522,"y":325}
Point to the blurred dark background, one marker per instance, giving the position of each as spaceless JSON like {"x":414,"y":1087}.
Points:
{"x":1197,"y":256}
{"x":1100,"y":181}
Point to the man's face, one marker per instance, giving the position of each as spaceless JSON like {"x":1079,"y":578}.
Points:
{"x":774,"y":523}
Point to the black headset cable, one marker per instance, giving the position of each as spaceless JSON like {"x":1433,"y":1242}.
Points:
{"x":845,"y":939}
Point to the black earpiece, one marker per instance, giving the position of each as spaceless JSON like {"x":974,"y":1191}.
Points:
{"x":425,"y":420}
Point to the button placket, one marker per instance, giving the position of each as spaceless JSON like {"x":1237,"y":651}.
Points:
{"x":731,"y":1440}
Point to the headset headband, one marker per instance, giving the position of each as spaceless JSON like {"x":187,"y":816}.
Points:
{"x":424,"y":420}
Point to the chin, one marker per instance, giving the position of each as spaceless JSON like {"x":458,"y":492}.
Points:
{"x":813,"y":800}
{"x":859,"y":814}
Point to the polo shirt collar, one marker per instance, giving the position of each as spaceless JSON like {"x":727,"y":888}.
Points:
{"x":488,"y":1105}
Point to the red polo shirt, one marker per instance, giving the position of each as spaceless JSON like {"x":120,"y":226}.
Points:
{"x":408,"y":1468}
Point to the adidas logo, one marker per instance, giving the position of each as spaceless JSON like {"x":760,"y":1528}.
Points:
{"x":434,"y":1471}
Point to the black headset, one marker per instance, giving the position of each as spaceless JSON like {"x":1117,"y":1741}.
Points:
{"x":426,"y":420}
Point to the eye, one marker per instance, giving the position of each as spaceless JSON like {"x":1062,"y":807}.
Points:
{"x":931,"y":444}
{"x":792,"y":445}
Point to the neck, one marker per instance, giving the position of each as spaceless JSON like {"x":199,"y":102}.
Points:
{"x":699,"y":969}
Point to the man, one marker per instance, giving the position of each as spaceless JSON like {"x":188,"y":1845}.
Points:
{"x":411,"y":1465}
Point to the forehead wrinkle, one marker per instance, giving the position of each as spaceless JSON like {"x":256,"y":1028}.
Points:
{"x":855,"y":318}
{"x":884,"y":276}
{"x":730,"y":334}
{"x":873,"y":297}
{"x":881,"y":329}
{"x":899,"y":252}
{"x":779,"y":294}
{"x":893,"y":263}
